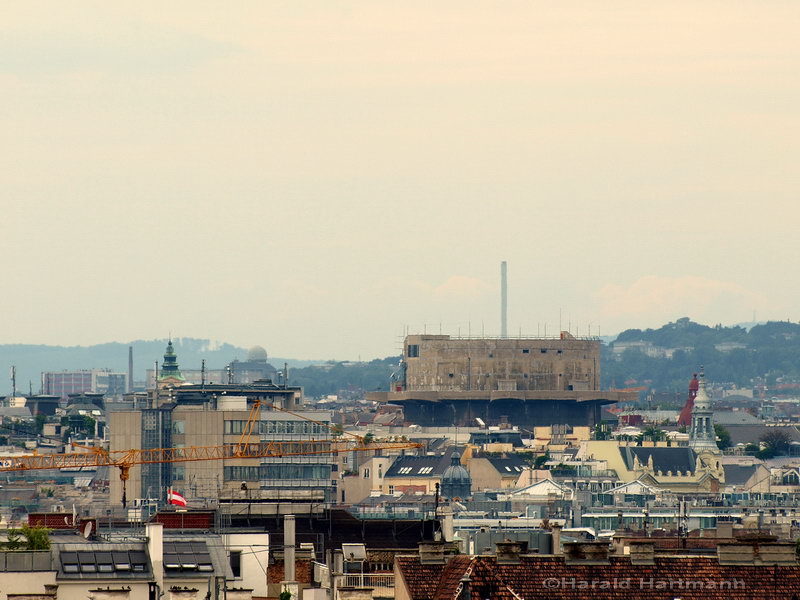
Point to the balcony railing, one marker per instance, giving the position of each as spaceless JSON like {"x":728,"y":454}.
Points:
{"x":365,"y":580}
{"x":26,"y":560}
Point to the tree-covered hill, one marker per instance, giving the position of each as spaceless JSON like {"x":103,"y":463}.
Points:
{"x":729,"y":354}
{"x":344,"y":378}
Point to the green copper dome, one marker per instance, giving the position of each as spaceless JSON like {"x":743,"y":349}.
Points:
{"x":169,"y":368}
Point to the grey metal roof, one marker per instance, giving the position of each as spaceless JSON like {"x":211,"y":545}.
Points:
{"x":508,"y":466}
{"x":19,"y":412}
{"x":184,"y":557}
{"x":735,"y":417}
{"x":189,"y":557}
{"x":664,"y":459}
{"x":102,"y":561}
{"x":738,"y":474}
{"x":751,"y":434}
{"x":608,"y":416}
{"x":180,"y":557}
{"x":419,"y":466}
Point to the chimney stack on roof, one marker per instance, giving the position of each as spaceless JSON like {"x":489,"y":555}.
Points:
{"x":642,"y":552}
{"x":431,"y":553}
{"x":757,"y":553}
{"x":509,"y":552}
{"x":586,"y":553}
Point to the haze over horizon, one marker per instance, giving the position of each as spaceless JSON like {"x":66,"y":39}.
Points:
{"x":213,"y":345}
{"x":314,"y":176}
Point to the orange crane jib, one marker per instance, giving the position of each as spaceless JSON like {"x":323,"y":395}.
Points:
{"x":243,"y":449}
{"x":124,"y":459}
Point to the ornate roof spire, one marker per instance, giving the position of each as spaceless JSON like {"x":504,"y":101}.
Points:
{"x":701,"y":400}
{"x":170,"y":368}
{"x":702,"y":437}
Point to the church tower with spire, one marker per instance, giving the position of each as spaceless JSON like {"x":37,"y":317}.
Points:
{"x":702,"y":437}
{"x":685,"y":418}
{"x":170,"y":374}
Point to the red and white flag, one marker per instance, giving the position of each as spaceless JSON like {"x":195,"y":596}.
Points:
{"x":174,"y":497}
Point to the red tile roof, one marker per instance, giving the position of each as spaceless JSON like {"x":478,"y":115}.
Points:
{"x":450,"y":579}
{"x":550,"y":578}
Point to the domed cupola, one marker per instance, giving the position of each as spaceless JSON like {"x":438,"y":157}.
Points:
{"x":257,"y":354}
{"x":702,"y":437}
{"x":456,"y":481}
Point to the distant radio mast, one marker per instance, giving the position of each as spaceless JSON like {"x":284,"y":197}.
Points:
{"x":503,"y":300}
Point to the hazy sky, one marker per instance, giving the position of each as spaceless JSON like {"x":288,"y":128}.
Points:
{"x":315,"y":176}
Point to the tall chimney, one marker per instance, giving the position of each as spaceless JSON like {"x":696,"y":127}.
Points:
{"x":155,"y":549}
{"x":503,"y":300}
{"x":130,"y":369}
{"x":288,"y":548}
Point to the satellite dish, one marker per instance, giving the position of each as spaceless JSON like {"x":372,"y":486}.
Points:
{"x":87,"y":529}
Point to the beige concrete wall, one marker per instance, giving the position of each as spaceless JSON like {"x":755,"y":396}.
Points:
{"x":446,"y":364}
{"x":608,"y":450}
{"x":79,"y":590}
{"x":126,"y":434}
{"x":255,"y":560}
{"x":411,"y":484}
{"x":14,"y":582}
{"x":484,"y":475}
{"x":359,"y":486}
{"x":202,"y":428}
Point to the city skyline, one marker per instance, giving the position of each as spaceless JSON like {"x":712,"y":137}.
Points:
{"x":315,"y":176}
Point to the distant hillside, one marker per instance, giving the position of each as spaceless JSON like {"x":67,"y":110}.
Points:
{"x":668,"y":356}
{"x":32,"y":359}
{"x":345,"y":378}
{"x":662,"y":358}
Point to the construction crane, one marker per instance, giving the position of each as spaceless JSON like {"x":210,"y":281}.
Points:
{"x":244,"y":448}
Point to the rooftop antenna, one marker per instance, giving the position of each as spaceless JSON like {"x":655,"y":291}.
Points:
{"x":503,"y":299}
{"x":203,"y":374}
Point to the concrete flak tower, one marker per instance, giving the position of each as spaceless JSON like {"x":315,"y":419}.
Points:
{"x":702,"y":437}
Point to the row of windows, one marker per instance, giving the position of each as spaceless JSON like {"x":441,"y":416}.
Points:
{"x":278,"y":427}
{"x":287,"y":471}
